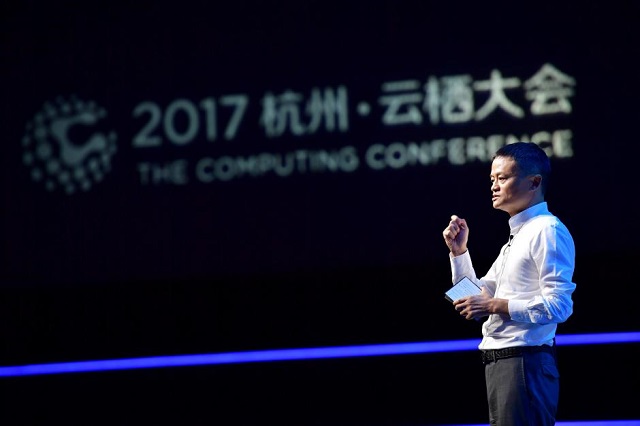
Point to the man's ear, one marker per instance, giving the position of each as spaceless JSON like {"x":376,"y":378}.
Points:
{"x":536,"y":180}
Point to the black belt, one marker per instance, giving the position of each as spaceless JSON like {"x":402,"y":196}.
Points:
{"x":492,"y":355}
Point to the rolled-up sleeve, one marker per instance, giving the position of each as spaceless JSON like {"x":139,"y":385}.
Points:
{"x":553,"y":252}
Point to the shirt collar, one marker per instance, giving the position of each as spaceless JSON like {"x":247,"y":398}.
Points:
{"x":517,"y":221}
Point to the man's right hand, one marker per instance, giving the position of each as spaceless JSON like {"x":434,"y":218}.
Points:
{"x":456,"y":235}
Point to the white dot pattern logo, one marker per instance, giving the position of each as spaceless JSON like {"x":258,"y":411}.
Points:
{"x":65,"y":147}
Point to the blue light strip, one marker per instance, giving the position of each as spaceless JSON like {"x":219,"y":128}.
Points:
{"x":601,"y":423}
{"x":598,"y":339}
{"x":579,"y":423}
{"x":291,"y":355}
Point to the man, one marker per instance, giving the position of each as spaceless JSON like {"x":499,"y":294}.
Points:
{"x":525,"y":294}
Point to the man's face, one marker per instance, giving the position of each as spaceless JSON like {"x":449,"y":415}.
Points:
{"x":510,"y":191}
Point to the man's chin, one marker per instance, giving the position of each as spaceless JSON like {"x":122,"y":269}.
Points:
{"x":499,"y":206}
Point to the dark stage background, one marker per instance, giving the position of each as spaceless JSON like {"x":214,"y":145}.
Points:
{"x":202,"y":177}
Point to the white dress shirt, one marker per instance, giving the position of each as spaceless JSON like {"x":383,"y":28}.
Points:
{"x":534,"y":272}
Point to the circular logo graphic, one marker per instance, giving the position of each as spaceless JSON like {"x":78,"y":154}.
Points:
{"x":66,"y":146}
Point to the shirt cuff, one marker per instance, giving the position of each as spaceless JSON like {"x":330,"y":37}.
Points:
{"x":461,"y":266}
{"x":518,"y":310}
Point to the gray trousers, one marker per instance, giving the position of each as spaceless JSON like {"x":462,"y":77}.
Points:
{"x":523,"y":390}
